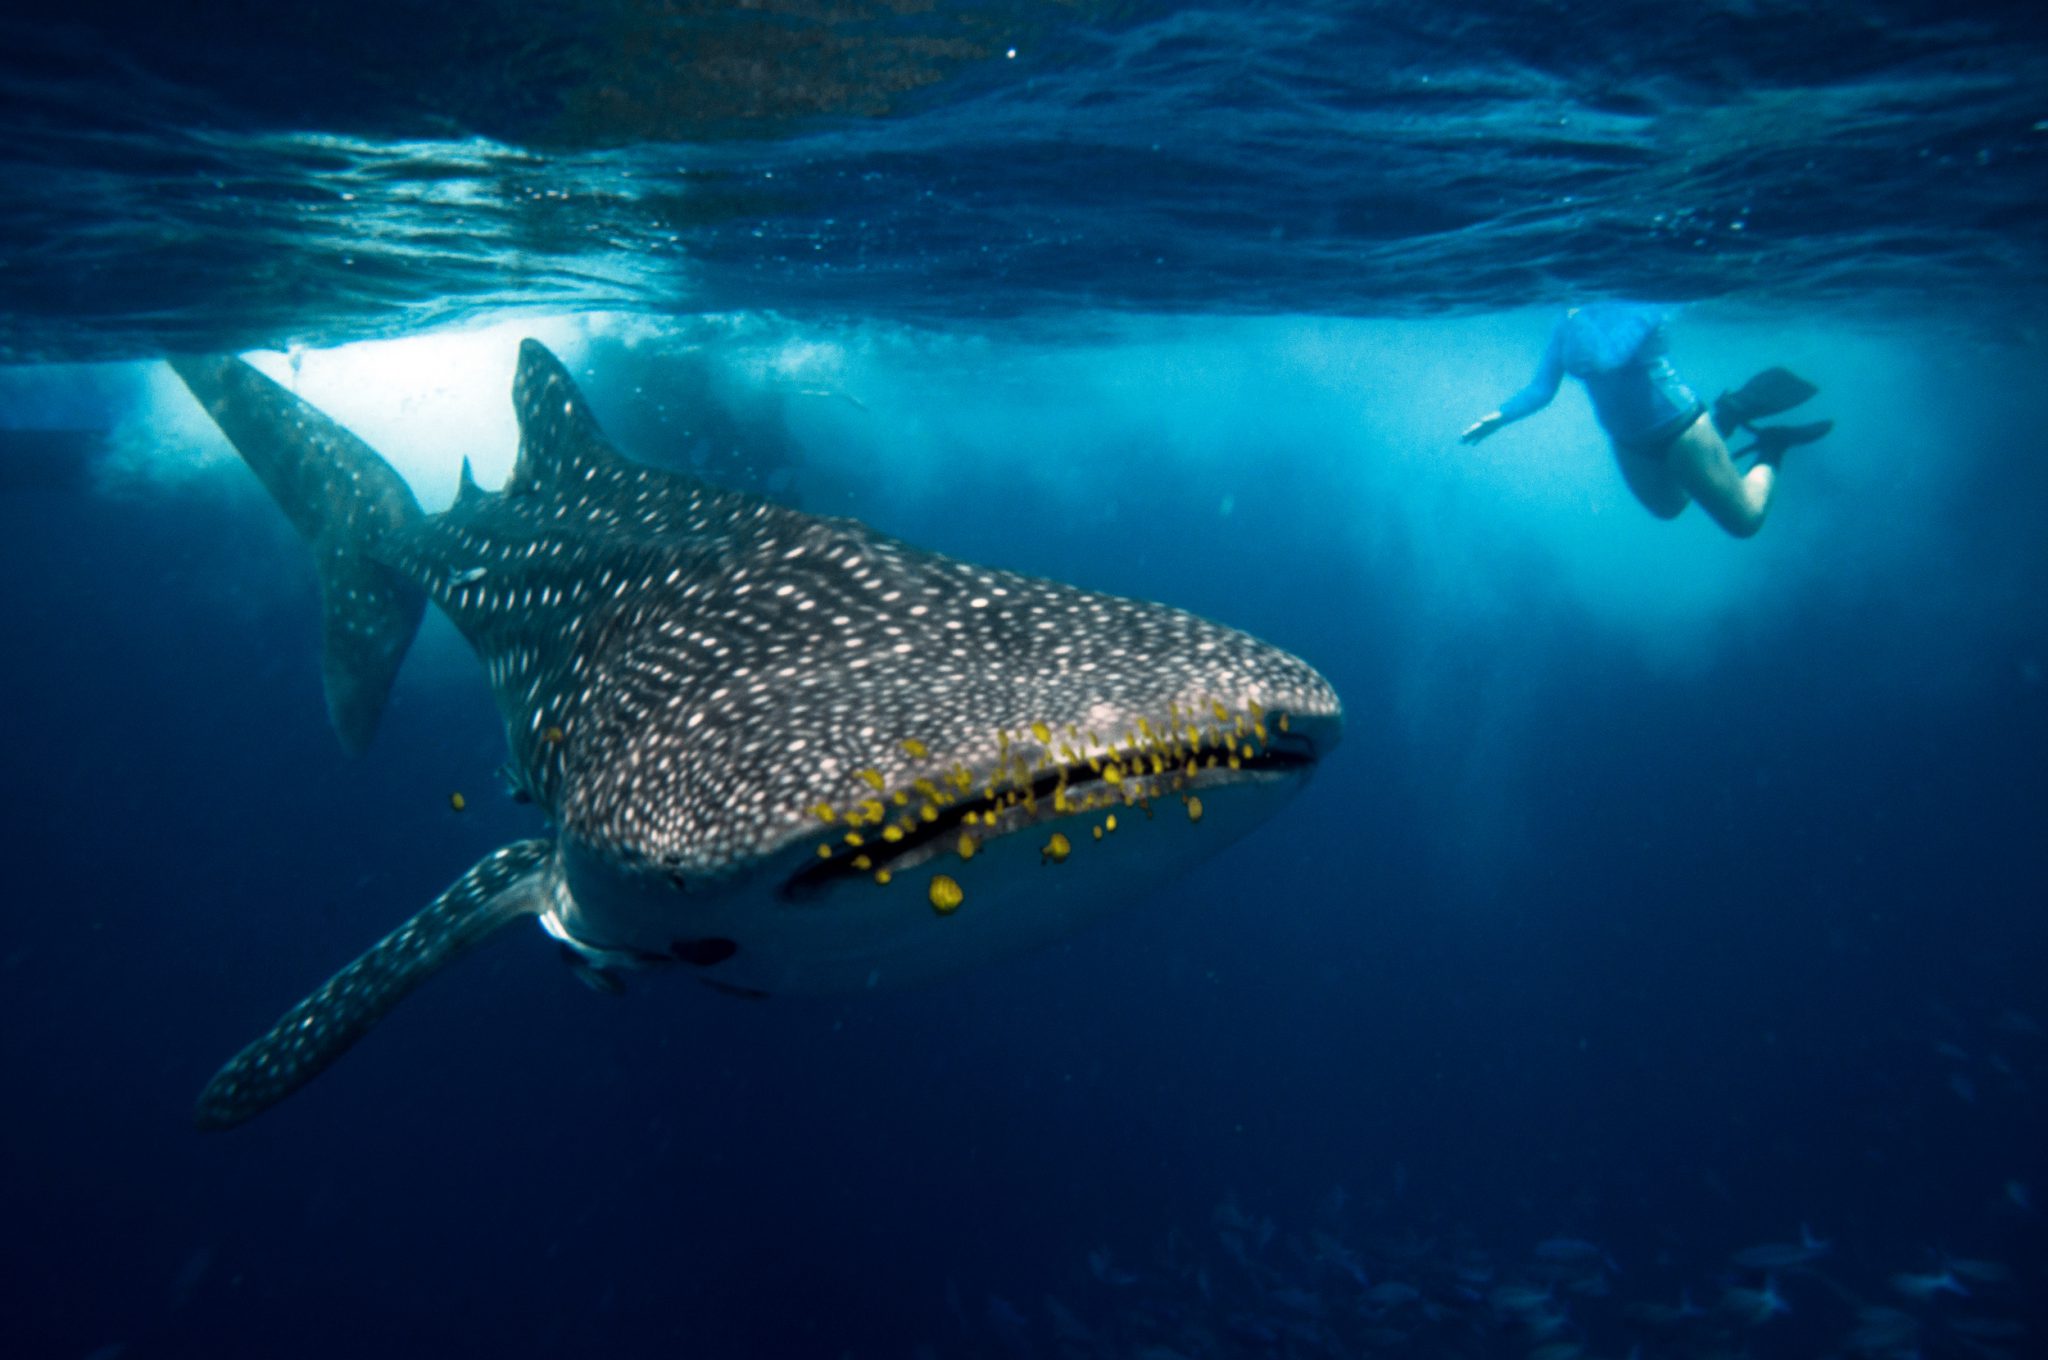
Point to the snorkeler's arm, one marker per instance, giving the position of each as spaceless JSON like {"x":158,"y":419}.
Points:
{"x":1528,"y":401}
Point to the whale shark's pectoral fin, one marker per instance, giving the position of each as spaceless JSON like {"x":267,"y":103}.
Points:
{"x":502,"y":887}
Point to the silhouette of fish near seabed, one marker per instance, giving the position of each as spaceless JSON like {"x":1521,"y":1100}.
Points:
{"x":778,"y":751}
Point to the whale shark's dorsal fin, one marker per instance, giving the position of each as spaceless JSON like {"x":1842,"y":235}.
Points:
{"x":560,"y":444}
{"x":467,"y":492}
{"x":504,"y":886}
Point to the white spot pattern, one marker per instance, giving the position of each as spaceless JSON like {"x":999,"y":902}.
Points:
{"x":685,"y":671}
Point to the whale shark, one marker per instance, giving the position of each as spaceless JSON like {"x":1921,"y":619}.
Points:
{"x":775,"y":751}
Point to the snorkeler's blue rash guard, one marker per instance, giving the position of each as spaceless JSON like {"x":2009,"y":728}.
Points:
{"x":1617,"y":350}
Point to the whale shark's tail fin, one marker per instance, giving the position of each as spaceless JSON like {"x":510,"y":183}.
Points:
{"x":502,"y":887}
{"x":344,"y":499}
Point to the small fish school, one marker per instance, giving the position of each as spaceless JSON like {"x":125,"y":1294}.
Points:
{"x":1041,"y":772}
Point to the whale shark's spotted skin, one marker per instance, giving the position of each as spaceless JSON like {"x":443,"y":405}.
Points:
{"x":738,"y":659}
{"x":732,"y":710}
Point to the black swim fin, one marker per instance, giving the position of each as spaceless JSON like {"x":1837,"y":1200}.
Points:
{"x":1769,"y":393}
{"x":1773,"y":440}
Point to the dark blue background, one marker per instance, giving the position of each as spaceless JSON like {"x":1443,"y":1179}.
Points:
{"x":1561,"y":941}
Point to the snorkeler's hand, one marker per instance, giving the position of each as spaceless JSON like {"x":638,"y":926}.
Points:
{"x":1481,"y":428}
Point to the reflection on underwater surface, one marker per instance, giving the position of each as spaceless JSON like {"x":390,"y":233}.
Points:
{"x":311,"y":174}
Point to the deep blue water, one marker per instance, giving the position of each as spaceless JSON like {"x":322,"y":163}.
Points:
{"x":1667,"y":892}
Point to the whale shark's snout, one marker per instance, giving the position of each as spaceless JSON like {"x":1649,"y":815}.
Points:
{"x":1190,"y":750}
{"x":1068,"y":825}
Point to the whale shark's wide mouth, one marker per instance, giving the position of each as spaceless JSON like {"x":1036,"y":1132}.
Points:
{"x":900,"y":829}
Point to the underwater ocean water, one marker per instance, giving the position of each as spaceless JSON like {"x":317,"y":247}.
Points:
{"x":1658,"y":968}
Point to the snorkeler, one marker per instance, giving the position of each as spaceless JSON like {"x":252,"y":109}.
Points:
{"x":1669,"y":449}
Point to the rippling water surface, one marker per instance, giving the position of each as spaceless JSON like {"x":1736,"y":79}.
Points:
{"x":286,"y":173}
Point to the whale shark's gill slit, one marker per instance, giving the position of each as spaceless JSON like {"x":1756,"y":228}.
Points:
{"x":730,"y":989}
{"x":1012,"y":810}
{"x":703,"y":953}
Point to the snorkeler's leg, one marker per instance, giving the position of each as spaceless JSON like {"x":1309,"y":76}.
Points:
{"x":1737,"y":500}
{"x":1652,"y":483}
